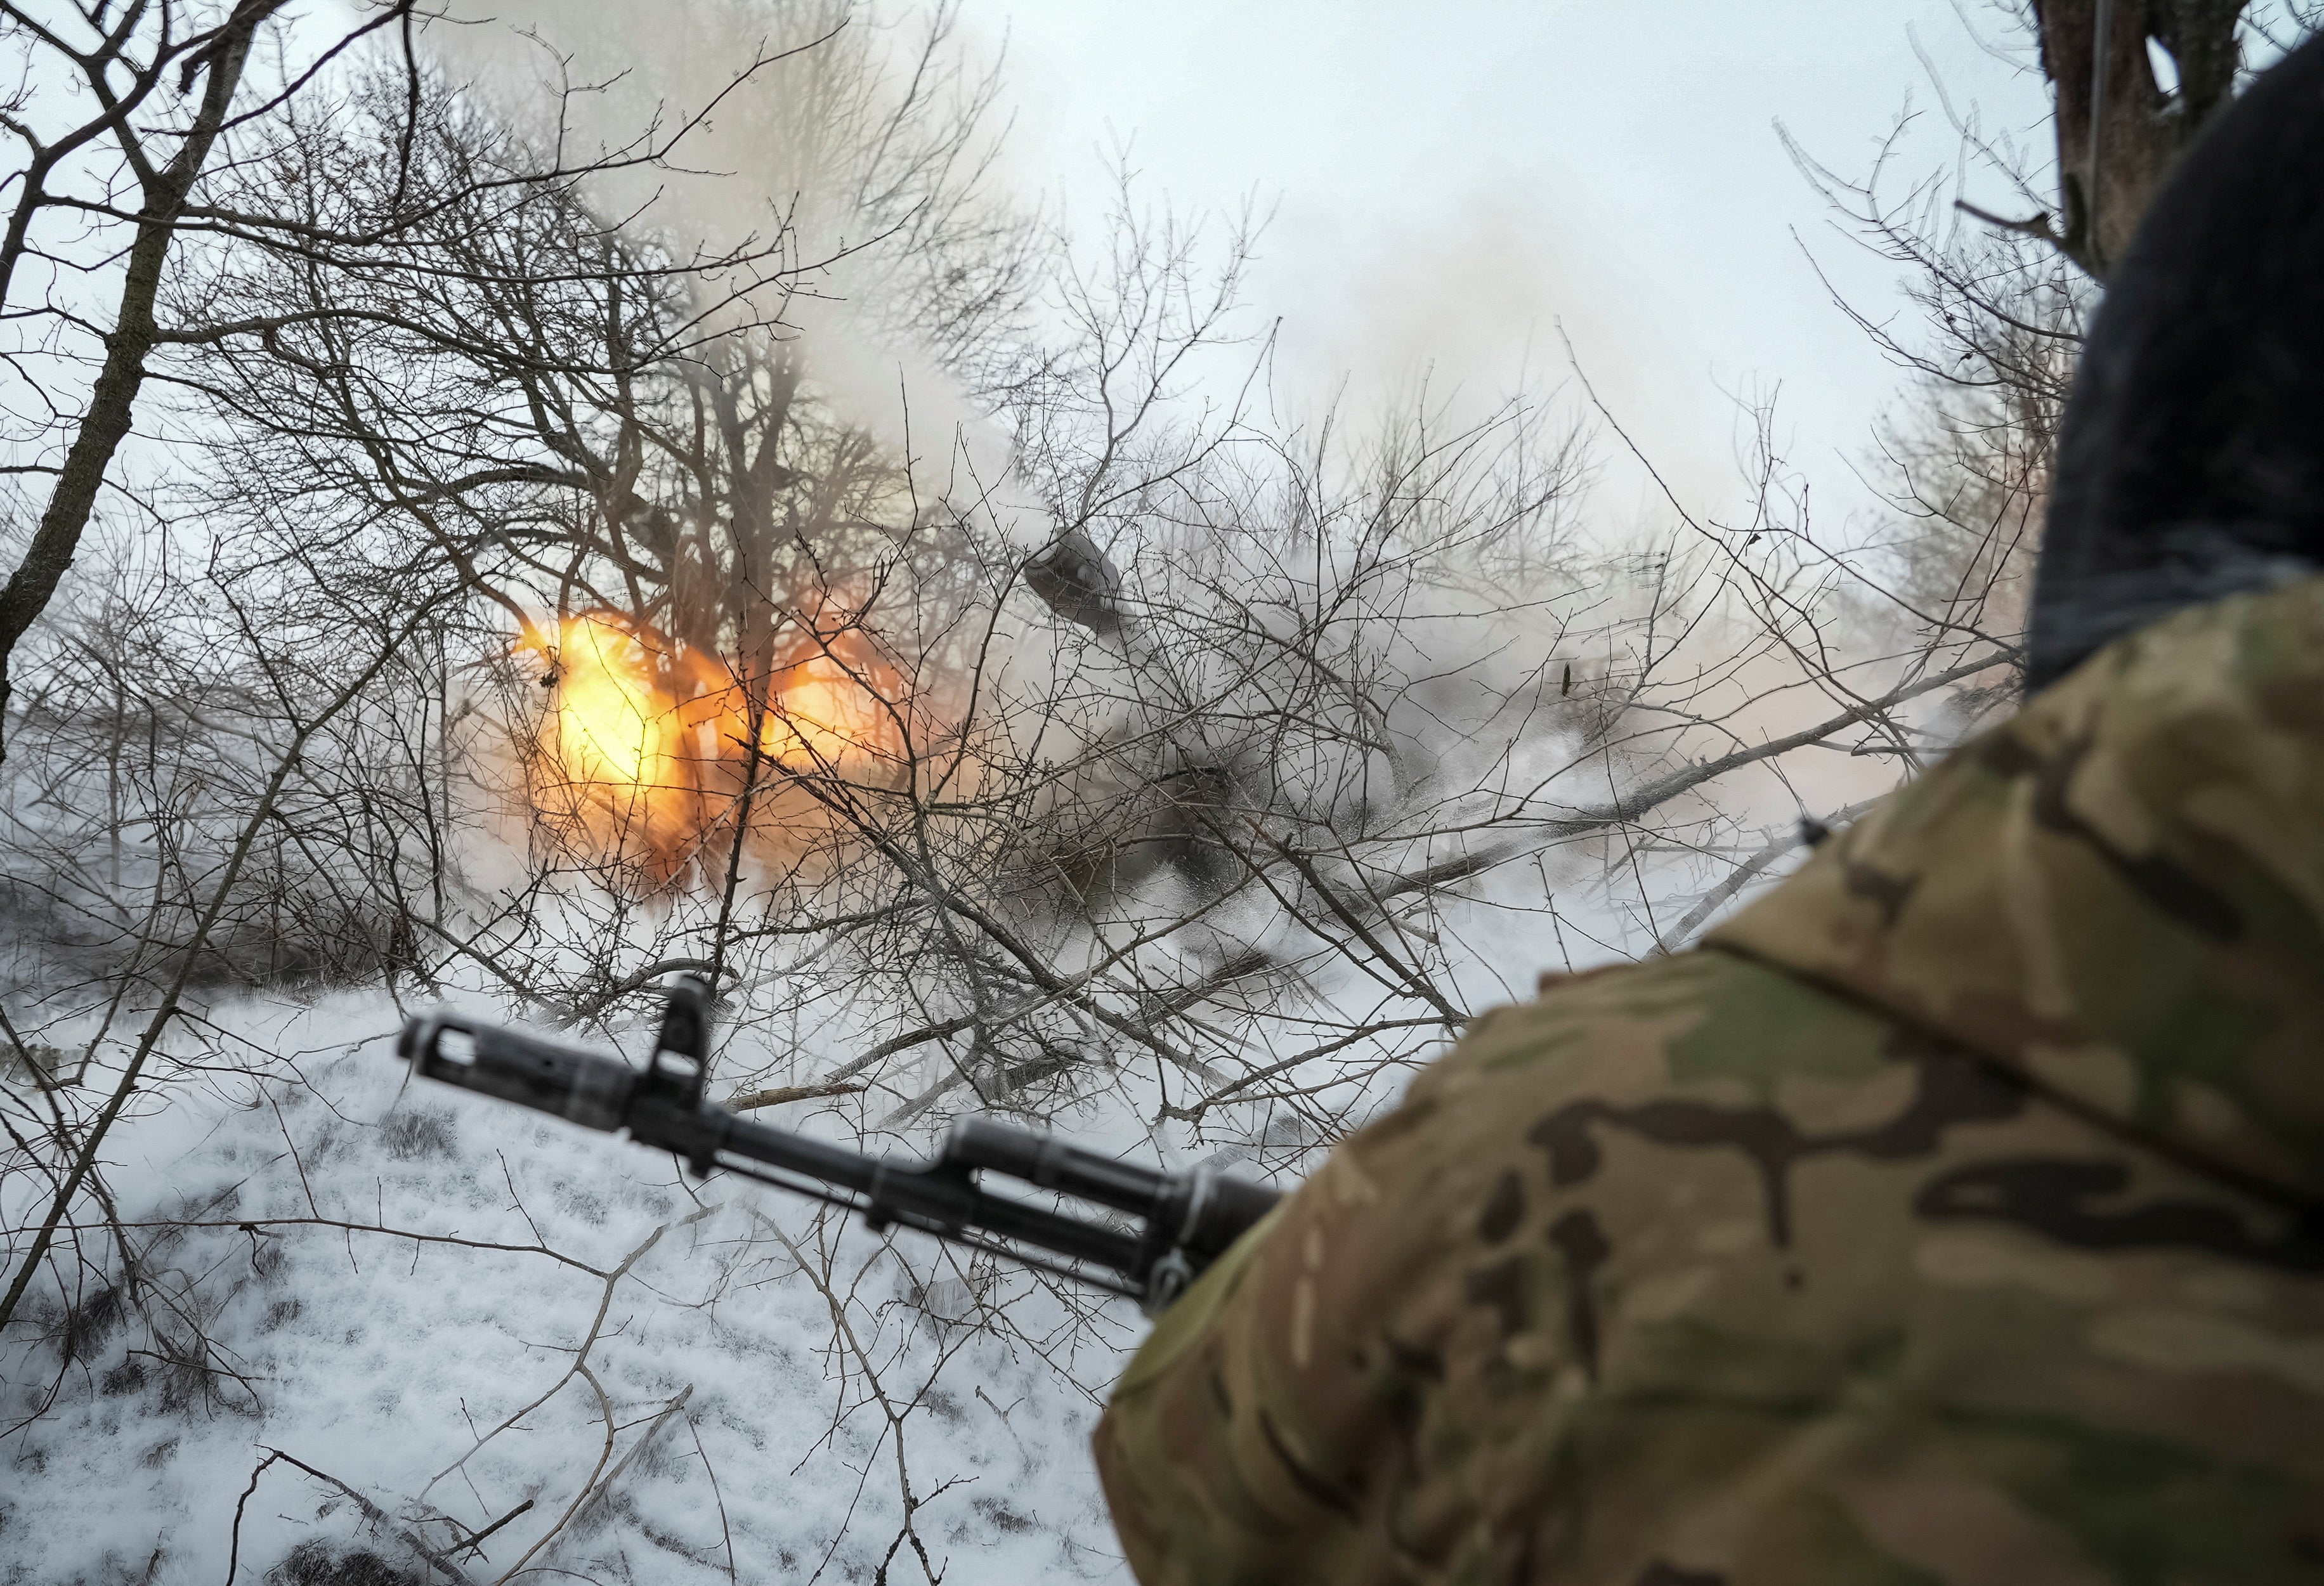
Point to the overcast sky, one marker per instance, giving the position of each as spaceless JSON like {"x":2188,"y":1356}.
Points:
{"x":1451,"y":181}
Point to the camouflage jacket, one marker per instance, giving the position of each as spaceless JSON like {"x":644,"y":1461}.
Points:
{"x":1955,"y":1215}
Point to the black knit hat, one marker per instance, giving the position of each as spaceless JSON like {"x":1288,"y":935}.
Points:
{"x":2190,"y":464}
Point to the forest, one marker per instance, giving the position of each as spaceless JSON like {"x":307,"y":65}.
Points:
{"x":498,"y":510}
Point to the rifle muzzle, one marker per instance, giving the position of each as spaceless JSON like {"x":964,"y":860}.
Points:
{"x":575,"y":1085}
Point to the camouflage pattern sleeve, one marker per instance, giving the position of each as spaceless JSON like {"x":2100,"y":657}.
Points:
{"x":1954,"y":1221}
{"x":2119,"y":893}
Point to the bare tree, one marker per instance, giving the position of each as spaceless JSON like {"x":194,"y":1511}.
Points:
{"x":543,"y":596}
{"x":109,"y":178}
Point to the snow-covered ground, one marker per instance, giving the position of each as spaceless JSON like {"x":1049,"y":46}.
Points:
{"x":698,"y":1406}
{"x":394,"y":1316}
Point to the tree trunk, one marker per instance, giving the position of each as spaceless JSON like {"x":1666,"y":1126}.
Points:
{"x":106,"y":423}
{"x":2118,"y":134}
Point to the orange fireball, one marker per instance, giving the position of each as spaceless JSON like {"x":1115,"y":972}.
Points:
{"x":821,"y":715}
{"x":617,"y":723}
{"x":648,"y":742}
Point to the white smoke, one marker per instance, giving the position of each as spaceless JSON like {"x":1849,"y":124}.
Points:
{"x":787,"y":152}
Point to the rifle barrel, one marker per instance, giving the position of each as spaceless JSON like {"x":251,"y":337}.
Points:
{"x":1181,"y":1221}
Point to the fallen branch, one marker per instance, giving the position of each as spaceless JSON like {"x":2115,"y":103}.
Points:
{"x":371,"y":1513}
{"x":258,"y":1224}
{"x":1743,"y":874}
{"x":581,"y":1352}
{"x":779,"y":1094}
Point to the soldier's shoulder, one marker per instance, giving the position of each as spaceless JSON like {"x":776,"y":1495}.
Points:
{"x":1700,"y":1020}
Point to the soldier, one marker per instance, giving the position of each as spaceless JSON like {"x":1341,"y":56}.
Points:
{"x":1956,"y":1214}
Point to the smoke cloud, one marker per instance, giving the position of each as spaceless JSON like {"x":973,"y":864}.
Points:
{"x":792,"y":151}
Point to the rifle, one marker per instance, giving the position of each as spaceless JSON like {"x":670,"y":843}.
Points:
{"x":1178,"y":1222}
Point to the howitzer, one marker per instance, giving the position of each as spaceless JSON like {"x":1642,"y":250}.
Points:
{"x":1174,"y":1224}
